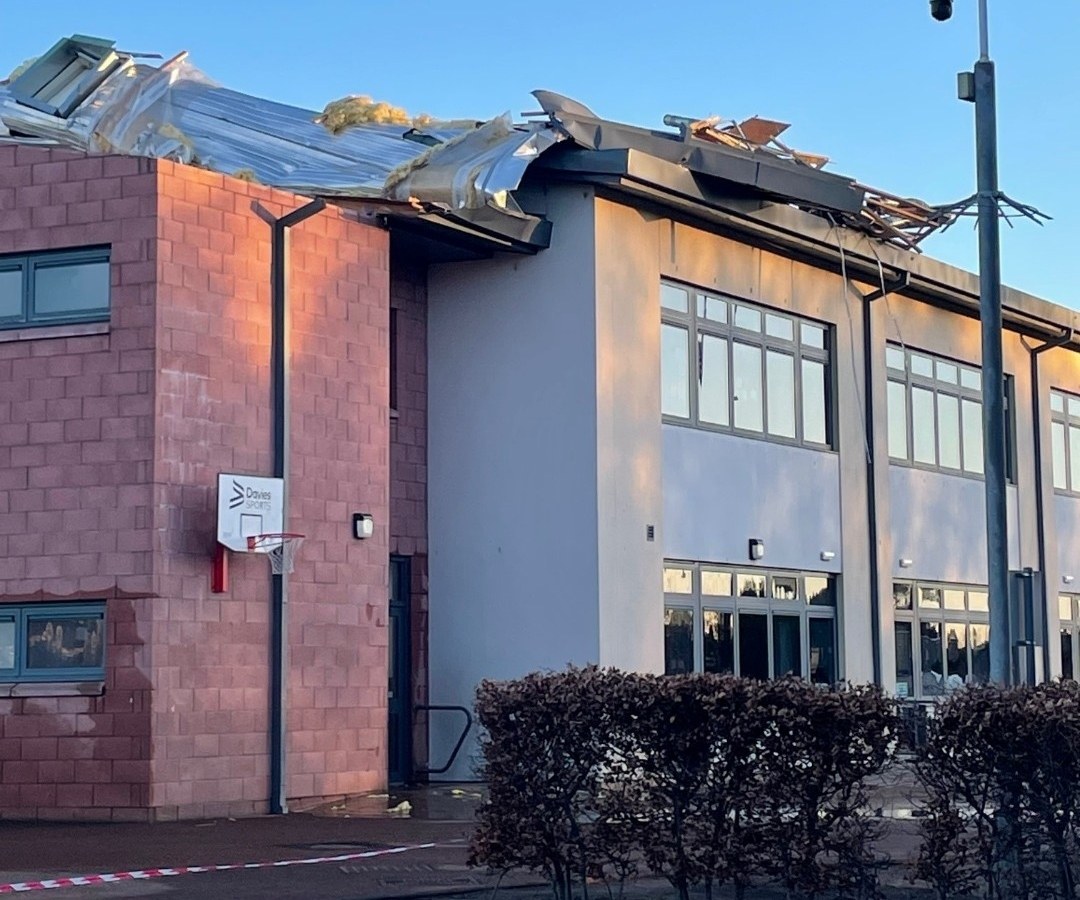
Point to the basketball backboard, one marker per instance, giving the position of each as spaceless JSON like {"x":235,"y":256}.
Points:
{"x":247,"y":505}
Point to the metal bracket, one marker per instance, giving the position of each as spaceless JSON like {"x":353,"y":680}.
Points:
{"x":900,"y":282}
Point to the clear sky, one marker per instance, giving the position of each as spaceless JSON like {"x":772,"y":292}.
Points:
{"x":869,"y":83}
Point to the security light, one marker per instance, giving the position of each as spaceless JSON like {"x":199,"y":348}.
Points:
{"x":363,"y":526}
{"x":757,"y":548}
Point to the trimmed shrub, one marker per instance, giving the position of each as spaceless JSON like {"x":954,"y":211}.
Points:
{"x":1001,"y":773}
{"x":708,"y":780}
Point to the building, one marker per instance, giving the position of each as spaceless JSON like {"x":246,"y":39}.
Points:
{"x":674,"y":400}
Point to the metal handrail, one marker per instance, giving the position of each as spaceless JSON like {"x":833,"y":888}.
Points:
{"x":430,"y":708}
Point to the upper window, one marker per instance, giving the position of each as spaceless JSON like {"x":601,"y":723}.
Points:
{"x":54,"y":287}
{"x":935,"y":412}
{"x":732,"y":366}
{"x":52,"y":642}
{"x":1065,"y":434}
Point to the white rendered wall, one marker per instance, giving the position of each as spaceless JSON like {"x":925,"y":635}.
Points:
{"x":629,"y":479}
{"x":939,"y":523}
{"x":721,"y":490}
{"x":511,"y":468}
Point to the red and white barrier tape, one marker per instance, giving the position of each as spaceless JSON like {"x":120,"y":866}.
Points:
{"x":47,"y":884}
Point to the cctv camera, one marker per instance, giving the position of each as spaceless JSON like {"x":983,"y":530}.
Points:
{"x":941,"y":9}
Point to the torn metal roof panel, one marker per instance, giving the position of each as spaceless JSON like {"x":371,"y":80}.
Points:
{"x":85,"y":94}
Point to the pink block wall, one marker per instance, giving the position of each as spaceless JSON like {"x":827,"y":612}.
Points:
{"x":110,"y":446}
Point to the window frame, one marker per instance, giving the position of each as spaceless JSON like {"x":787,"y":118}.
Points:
{"x":698,"y":604}
{"x":1070,"y":628}
{"x":1066,"y":420}
{"x":24,"y":614}
{"x":916,"y":615}
{"x":699,"y":326}
{"x":29,"y":263}
{"x":911,"y":380}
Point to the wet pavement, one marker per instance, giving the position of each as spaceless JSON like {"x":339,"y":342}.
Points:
{"x":409,"y":843}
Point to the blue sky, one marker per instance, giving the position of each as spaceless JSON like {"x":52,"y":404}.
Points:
{"x":870,"y":83}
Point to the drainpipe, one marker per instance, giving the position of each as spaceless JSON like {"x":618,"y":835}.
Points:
{"x":1036,"y":408}
{"x":898,"y":283}
{"x":279,"y":398}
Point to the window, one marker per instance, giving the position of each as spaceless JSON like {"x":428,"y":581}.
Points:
{"x":935,"y":412}
{"x":1070,"y":633}
{"x":942,"y":638}
{"x":47,"y":642}
{"x":1065,"y":436}
{"x":751,"y":622}
{"x":53,"y":288}
{"x":733,"y":366}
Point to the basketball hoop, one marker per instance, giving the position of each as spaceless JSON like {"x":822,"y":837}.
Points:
{"x":281,"y":548}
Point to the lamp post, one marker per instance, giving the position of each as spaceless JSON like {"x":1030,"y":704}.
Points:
{"x":978,"y":87}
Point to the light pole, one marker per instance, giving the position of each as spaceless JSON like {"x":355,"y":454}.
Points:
{"x":978,"y":87}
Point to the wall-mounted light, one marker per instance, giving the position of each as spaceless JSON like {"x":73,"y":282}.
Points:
{"x":906,"y":563}
{"x":757,"y":548}
{"x":1067,"y":579}
{"x":827,"y":556}
{"x":363,"y":526}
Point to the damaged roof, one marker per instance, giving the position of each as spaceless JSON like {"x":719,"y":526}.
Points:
{"x":85,"y":94}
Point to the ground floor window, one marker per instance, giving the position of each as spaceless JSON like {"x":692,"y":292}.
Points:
{"x":942,"y":634}
{"x":753,"y":622}
{"x":1070,"y":633}
{"x":52,"y":642}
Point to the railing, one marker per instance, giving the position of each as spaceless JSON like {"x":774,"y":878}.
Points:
{"x":429,"y":708}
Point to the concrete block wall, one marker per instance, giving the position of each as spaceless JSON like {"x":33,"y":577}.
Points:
{"x":76,"y":500}
{"x":213,"y":339}
{"x":111,"y":438}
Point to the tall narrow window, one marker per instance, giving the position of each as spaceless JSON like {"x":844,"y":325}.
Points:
{"x":780,"y":387}
{"x":675,"y":366}
{"x":747,"y":383}
{"x":714,"y":397}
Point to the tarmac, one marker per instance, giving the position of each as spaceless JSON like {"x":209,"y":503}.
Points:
{"x":410,"y":843}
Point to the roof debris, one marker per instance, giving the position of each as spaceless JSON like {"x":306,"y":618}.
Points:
{"x":86,"y":94}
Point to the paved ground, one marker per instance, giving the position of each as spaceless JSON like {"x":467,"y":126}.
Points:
{"x":353,"y":839}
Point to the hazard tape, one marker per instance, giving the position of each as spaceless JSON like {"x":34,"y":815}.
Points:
{"x":47,"y":884}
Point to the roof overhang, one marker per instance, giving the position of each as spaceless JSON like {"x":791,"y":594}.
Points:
{"x":670,"y":189}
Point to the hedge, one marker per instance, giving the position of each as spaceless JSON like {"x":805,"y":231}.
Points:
{"x":707,"y":780}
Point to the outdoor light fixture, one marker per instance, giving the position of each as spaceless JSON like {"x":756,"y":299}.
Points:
{"x":827,"y":555}
{"x":1067,"y":579}
{"x":906,"y":563}
{"x":941,"y":9}
{"x":757,"y":548}
{"x":363,"y":526}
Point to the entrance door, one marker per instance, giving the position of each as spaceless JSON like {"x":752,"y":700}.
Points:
{"x":399,"y":693}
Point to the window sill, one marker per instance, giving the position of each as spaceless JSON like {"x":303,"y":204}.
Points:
{"x":16,"y":690}
{"x":44,"y":332}
{"x":750,"y":435}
